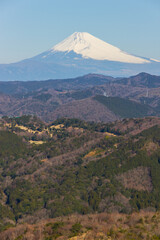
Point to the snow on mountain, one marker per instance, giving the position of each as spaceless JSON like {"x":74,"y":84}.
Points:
{"x":155,"y":60}
{"x":91,"y":47}
{"x":77,"y":55}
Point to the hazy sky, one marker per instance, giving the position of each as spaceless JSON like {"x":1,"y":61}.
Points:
{"x":29,"y":27}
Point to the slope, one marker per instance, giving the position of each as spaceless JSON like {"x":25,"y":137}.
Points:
{"x":125,"y":108}
{"x":85,"y":109}
{"x":71,"y":166}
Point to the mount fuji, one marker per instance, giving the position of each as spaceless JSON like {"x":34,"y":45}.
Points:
{"x":79,"y":54}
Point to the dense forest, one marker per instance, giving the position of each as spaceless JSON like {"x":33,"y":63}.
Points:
{"x":76,"y":167}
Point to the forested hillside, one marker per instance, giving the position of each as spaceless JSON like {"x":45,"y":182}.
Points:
{"x":91,"y":97}
{"x":71,"y":166}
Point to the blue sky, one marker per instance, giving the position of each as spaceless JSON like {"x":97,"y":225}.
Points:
{"x":29,"y":27}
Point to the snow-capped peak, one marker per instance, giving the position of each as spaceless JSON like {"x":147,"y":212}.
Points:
{"x":91,"y":47}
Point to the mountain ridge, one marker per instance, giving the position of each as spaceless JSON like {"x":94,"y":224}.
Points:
{"x":52,"y":99}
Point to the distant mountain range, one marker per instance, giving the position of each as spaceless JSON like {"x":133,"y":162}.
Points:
{"x":91,"y":98}
{"x":79,"y":54}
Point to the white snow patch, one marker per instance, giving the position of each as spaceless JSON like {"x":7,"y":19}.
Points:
{"x":155,"y":60}
{"x":91,"y":47}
